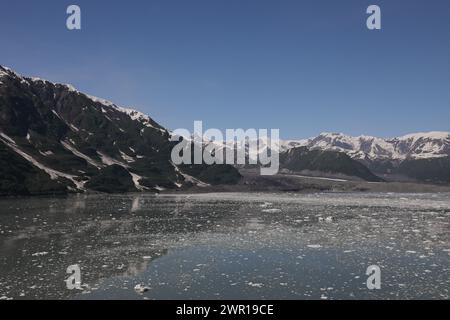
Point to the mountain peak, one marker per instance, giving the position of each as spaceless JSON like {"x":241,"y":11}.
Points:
{"x":131,"y":112}
{"x":437,"y":135}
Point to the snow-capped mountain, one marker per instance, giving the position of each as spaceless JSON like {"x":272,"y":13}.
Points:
{"x":412,"y":146}
{"x":425,"y":145}
{"x":55,"y":139}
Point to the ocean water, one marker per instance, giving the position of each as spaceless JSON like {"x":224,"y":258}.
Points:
{"x":226,"y":246}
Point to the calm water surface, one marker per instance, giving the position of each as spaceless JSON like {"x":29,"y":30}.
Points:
{"x":226,"y":246}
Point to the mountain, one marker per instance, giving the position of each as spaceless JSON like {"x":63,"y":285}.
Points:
{"x":413,"y":157}
{"x":428,"y":170}
{"x":412,"y":146}
{"x":55,"y":139}
{"x":392,"y":159}
{"x":330,"y":162}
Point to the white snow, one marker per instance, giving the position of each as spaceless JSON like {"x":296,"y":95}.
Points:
{"x":80,"y":154}
{"x":46,"y":153}
{"x":438,"y":135}
{"x":132,"y":113}
{"x":189,"y":178}
{"x":100,"y":100}
{"x":4,"y":136}
{"x":36,"y":79}
{"x":71,"y":126}
{"x":56,"y":114}
{"x":416,"y":146}
{"x":110,"y":161}
{"x":136,"y":179}
{"x":8,"y":72}
{"x":54,"y":174}
{"x":126,"y":157}
{"x":138,"y":116}
{"x":71,"y":88}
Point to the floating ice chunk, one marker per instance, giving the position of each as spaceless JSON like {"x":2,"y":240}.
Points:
{"x":140,"y":288}
{"x":37,"y":254}
{"x":271,"y":210}
{"x":256,"y":285}
{"x":265,"y":205}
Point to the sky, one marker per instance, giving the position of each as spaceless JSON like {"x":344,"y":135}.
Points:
{"x":303,"y":67}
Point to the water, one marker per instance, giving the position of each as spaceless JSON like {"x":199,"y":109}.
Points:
{"x":226,"y":246}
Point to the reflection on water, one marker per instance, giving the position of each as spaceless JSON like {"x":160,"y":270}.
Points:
{"x":230,"y":246}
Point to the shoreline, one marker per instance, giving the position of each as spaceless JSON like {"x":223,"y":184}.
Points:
{"x":283,"y":183}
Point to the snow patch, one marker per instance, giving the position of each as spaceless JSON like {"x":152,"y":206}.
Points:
{"x":136,"y":179}
{"x":111,"y":161}
{"x":189,"y":178}
{"x":54,"y":174}
{"x":126,"y":157}
{"x":80,"y":154}
{"x":46,"y":153}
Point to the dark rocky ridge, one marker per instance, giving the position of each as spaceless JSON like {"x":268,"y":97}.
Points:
{"x":56,"y":139}
{"x":332,"y":162}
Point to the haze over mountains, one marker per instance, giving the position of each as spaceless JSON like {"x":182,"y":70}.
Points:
{"x":54,"y":139}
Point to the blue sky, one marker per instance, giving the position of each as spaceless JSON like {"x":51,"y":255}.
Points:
{"x":301,"y":66}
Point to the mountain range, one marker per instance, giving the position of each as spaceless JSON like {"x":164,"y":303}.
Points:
{"x":55,"y":139}
{"x":414,"y":157}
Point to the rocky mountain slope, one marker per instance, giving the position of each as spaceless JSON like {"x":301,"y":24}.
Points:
{"x":330,"y":162}
{"x":419,"y":157}
{"x":56,"y":139}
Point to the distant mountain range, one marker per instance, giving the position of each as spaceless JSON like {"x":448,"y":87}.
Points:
{"x":414,"y":157}
{"x":413,"y":146}
{"x":55,"y":139}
